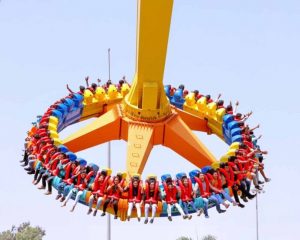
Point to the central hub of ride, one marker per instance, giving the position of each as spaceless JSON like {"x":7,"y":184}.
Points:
{"x":149,"y":107}
{"x":145,"y":117}
{"x":147,"y":100}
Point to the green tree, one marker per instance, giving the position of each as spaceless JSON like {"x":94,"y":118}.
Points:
{"x":209,"y":237}
{"x":24,"y":232}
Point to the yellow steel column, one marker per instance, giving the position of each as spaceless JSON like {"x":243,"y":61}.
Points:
{"x":146,"y":99}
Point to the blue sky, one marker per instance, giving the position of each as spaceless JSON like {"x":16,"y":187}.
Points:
{"x":247,"y":50}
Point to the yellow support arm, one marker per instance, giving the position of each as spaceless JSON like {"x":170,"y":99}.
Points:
{"x":147,"y":99}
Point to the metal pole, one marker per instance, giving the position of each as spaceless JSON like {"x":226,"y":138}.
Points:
{"x":257,"y":233}
{"x":109,"y":161}
{"x":109,"y":64}
{"x":108,"y":215}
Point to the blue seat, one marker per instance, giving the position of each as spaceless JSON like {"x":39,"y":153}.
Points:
{"x":206,"y":169}
{"x":69,"y":103}
{"x":165,"y":177}
{"x":226,"y":134}
{"x":94,"y":166}
{"x":193,"y":174}
{"x":57,"y":114}
{"x":63,"y":109}
{"x":236,"y":131}
{"x":237,"y":138}
{"x":232,"y":125}
{"x":228,"y":118}
{"x":72,"y":156}
{"x":78,"y":99}
{"x":82,"y":162}
{"x":177,"y":99}
{"x":179,"y":176}
{"x":167,"y":91}
{"x":73,"y":117}
{"x":62,"y":148}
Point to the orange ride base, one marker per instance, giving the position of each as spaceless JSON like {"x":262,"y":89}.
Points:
{"x":174,"y":132}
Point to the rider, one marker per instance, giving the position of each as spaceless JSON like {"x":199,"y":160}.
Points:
{"x":172,"y":196}
{"x":202,"y":188}
{"x":151,"y":197}
{"x":135,"y":196}
{"x":114,"y":193}
{"x":81,"y":181}
{"x":98,"y":191}
{"x":217,"y":190}
{"x":187,"y":195}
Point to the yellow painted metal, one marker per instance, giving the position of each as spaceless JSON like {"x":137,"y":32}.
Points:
{"x":147,"y":99}
{"x":140,"y":144}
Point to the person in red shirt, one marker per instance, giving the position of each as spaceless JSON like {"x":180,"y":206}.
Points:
{"x":114,"y":193}
{"x":172,"y":197}
{"x":202,"y":189}
{"x":93,"y":87}
{"x":81,"y":90}
{"x":240,"y":178}
{"x":98,"y":191}
{"x":220,"y":104}
{"x":80,"y":182}
{"x":151,"y":197}
{"x":218,"y":191}
{"x":135,"y":196}
{"x":71,"y":169}
{"x":227,"y":178}
{"x":187,"y":196}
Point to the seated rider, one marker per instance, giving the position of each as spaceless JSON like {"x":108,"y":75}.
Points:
{"x":202,"y":189}
{"x":217,"y":189}
{"x":114,"y":193}
{"x":80,"y":182}
{"x":172,"y":197}
{"x":187,"y":196}
{"x":151,"y":197}
{"x":93,"y":87}
{"x":240,"y":178}
{"x":135,"y":196}
{"x":98,"y":189}
{"x":71,"y":169}
{"x":81,"y":90}
{"x":59,"y":171}
{"x":220,"y":104}
{"x":227,"y":177}
{"x":49,"y":169}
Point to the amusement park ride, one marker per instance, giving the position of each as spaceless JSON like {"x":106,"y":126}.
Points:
{"x":145,"y":114}
{"x":145,"y":117}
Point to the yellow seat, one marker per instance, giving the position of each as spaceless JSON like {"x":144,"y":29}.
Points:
{"x":112,"y":92}
{"x":231,"y":152}
{"x":235,"y":145}
{"x":57,"y":141}
{"x":211,"y":109}
{"x":220,"y":114}
{"x":224,"y":159}
{"x":53,"y":120}
{"x":53,"y":134}
{"x":100,"y":95}
{"x":151,"y":176}
{"x":52,"y":127}
{"x":215,"y":165}
{"x":136,"y":175}
{"x":123,"y":174}
{"x":88,"y":97}
{"x":190,"y":99}
{"x":125,"y":89}
{"x":108,"y":171}
{"x":202,"y":104}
